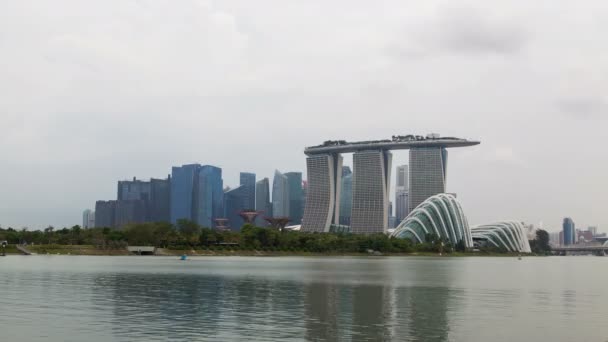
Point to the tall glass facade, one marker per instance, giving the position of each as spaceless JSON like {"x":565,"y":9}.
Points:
{"x":296,"y":209}
{"x":183,"y":181}
{"x":160,"y":199}
{"x":322,"y":205}
{"x":248,"y":181}
{"x":262,"y":201}
{"x":209,"y":195}
{"x":280,"y":195}
{"x":346,"y":196}
{"x":234,"y":203}
{"x":569,"y":230}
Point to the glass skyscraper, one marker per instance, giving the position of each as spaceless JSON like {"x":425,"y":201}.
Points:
{"x":209,"y":195}
{"x":569,"y":229}
{"x":248,"y":181}
{"x":294,"y":179}
{"x":280,"y":195}
{"x":234,"y":203}
{"x":262,"y":200}
{"x":402,"y":193}
{"x":346,"y":196}
{"x":183,"y":182}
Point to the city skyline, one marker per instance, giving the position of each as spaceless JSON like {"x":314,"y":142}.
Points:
{"x":88,"y":102}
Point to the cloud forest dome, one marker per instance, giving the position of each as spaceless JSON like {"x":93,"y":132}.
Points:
{"x":508,"y":235}
{"x":440,"y":215}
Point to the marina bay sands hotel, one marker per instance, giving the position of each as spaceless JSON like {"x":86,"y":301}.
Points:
{"x":372,"y":161}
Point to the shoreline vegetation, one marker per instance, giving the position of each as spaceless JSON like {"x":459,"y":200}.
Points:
{"x":188,"y":238}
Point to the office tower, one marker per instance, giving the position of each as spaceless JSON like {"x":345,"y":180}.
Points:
{"x":401,"y":193}
{"x":234,"y":203}
{"x":322,"y":208}
{"x":105,"y":212}
{"x":346,"y":196}
{"x":88,"y":219}
{"x":569,"y":230}
{"x":296,"y":210}
{"x":248,"y":181}
{"x":183,"y":182}
{"x":160,"y":200}
{"x":280,"y":195}
{"x":371,"y":185}
{"x":427,"y":174}
{"x":262,"y":201}
{"x":208,"y":195}
{"x":592,"y":230}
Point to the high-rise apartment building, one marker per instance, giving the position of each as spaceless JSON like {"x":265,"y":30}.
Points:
{"x":105,"y":213}
{"x":371,"y":185}
{"x":248,"y":181}
{"x":183,"y":185}
{"x":262,"y":201}
{"x":88,"y":219}
{"x":569,"y":232}
{"x":427,"y":176}
{"x":296,"y":210}
{"x":280,"y":195}
{"x":208,"y":195}
{"x":346,"y":196}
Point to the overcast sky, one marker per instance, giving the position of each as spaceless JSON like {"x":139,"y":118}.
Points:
{"x":96,"y":91}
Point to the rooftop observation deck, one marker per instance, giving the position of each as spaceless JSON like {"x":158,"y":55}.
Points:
{"x":396,"y":143}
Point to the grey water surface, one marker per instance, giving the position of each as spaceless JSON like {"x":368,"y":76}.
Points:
{"x":86,"y":298}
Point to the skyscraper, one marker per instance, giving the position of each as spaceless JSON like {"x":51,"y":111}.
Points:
{"x":209,"y":195}
{"x":427,"y":174}
{"x":160,"y":199}
{"x":371,"y":185}
{"x":280,"y":195}
{"x":262,"y":200}
{"x":569,"y":230}
{"x":248,"y":181}
{"x":133,"y":190}
{"x":234,"y":203}
{"x":402,"y":193}
{"x":322,"y":192}
{"x":346,"y":196}
{"x":105,"y":212}
{"x":88,"y":219}
{"x":294,"y":179}
{"x":183,"y":179}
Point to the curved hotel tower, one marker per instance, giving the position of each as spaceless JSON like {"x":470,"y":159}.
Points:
{"x":371,"y":179}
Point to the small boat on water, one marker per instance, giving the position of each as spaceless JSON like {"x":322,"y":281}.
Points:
{"x":183,"y":257}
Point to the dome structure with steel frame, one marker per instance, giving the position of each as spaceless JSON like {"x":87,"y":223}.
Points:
{"x":440,"y":215}
{"x":507,"y":235}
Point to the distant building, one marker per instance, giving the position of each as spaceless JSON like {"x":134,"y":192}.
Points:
{"x":248,"y":181}
{"x":569,"y":230}
{"x":133,"y":190}
{"x":88,"y":219}
{"x":208,"y":195}
{"x":105,"y":212}
{"x":427,"y":174}
{"x":262,"y":201}
{"x":402,"y":193}
{"x":234,"y":203}
{"x":280,"y":195}
{"x":129,"y":211}
{"x":296,"y":209}
{"x":592,"y":230}
{"x":183,"y":184}
{"x":346,"y":196}
{"x":554,"y":239}
{"x":160,"y":200}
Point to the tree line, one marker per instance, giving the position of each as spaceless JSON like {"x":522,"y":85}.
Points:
{"x":189,"y":235}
